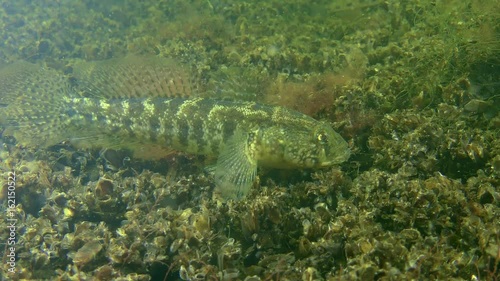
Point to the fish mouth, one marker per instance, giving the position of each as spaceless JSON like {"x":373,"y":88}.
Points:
{"x":325,"y":164}
{"x":337,"y":160}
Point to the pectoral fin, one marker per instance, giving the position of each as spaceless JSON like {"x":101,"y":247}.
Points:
{"x":236,"y":167}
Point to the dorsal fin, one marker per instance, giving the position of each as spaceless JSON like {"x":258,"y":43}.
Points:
{"x":135,"y":77}
{"x":23,"y":81}
{"x":32,"y":103}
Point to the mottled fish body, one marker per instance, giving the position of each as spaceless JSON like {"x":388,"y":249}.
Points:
{"x":241,"y":135}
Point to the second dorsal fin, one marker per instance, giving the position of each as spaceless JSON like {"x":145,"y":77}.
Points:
{"x":135,"y":77}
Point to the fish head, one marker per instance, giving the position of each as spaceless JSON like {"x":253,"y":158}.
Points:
{"x":304,"y":147}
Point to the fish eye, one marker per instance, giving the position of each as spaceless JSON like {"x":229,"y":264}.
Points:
{"x":322,"y":138}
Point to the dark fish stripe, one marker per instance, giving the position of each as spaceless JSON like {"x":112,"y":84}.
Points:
{"x":228,"y":129}
{"x":154,"y":127}
{"x":182,"y":131}
{"x":197,"y":133}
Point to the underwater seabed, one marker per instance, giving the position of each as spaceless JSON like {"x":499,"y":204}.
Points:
{"x":412,"y":86}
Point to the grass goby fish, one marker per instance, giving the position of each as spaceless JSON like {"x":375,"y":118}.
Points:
{"x":132,"y":102}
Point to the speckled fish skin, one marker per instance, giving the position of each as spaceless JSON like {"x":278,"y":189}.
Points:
{"x":241,"y":135}
{"x":269,"y":136}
